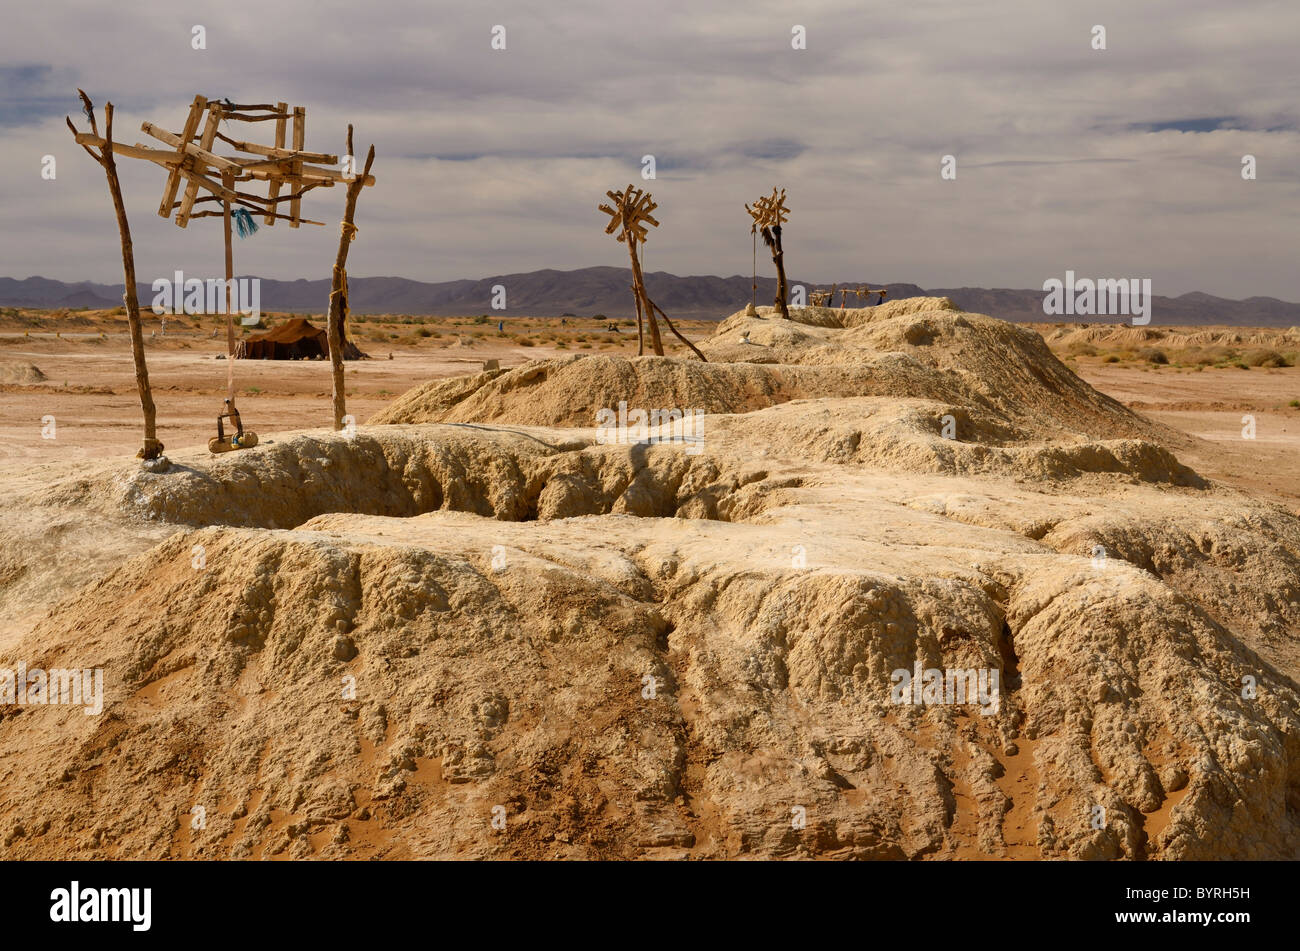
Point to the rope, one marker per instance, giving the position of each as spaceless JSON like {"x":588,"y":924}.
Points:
{"x":348,"y":230}
{"x":342,"y":292}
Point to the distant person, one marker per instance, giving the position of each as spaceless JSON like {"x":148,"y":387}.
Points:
{"x":501,"y":326}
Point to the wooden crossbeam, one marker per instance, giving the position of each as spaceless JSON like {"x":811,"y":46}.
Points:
{"x":189,"y":148}
{"x":300,"y":172}
{"x":222,"y":213}
{"x":205,"y":143}
{"x":324,"y":158}
{"x":161,"y":156}
{"x":274,"y":188}
{"x":299,"y":138}
{"x":174,"y":177}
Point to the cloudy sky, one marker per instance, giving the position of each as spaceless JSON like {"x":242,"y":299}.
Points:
{"x":1117,"y":163}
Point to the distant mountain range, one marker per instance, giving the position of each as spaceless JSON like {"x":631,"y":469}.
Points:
{"x":592,"y":291}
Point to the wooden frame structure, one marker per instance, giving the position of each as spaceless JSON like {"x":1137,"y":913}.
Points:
{"x":822,"y":298}
{"x":630,"y":215}
{"x":769,"y":214}
{"x":191,"y":161}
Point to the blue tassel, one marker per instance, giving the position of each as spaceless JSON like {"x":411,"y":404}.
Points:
{"x":244,"y":222}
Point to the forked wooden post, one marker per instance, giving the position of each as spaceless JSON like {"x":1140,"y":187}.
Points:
{"x":152,"y":448}
{"x":338,"y":309}
{"x":638,"y":282}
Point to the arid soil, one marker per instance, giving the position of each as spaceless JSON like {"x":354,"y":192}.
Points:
{"x":479,"y":627}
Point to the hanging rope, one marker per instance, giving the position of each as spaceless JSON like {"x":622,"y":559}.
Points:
{"x":244,"y":223}
{"x":753,"y":286}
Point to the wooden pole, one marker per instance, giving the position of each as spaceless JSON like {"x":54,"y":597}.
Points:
{"x":677,"y":332}
{"x":640,"y":323}
{"x":339,"y":285}
{"x":228,"y":180}
{"x":778,"y":257}
{"x":152,"y":448}
{"x":299,"y":137}
{"x":655,"y":343}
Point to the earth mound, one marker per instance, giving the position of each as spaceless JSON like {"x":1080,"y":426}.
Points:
{"x":20,"y":372}
{"x":482,"y":627}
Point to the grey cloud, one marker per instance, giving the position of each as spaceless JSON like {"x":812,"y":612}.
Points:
{"x":493,"y":162}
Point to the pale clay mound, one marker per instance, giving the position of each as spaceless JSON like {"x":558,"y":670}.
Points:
{"x":502,"y":588}
{"x":13,"y":371}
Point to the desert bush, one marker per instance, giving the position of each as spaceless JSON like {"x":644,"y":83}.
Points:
{"x":1111,"y":358}
{"x":1152,"y":355}
{"x":1265,"y":358}
{"x":1081,"y":349}
{"x":1214,"y":356}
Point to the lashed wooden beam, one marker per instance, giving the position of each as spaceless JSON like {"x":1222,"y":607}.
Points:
{"x":279,"y":153}
{"x":205,"y":143}
{"x":174,"y":178}
{"x":274,"y":188}
{"x":189,"y":148}
{"x":161,"y":156}
{"x":296,"y":169}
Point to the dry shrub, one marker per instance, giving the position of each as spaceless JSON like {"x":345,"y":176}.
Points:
{"x":1265,"y":358}
{"x":1213,"y":356}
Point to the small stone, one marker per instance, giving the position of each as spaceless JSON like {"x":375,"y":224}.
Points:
{"x":344,"y":648}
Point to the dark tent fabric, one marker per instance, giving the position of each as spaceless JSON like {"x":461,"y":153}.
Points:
{"x":295,"y":339}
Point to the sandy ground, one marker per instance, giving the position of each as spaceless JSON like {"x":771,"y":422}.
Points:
{"x":1210,"y":404}
{"x":90,"y":384}
{"x":90,"y":391}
